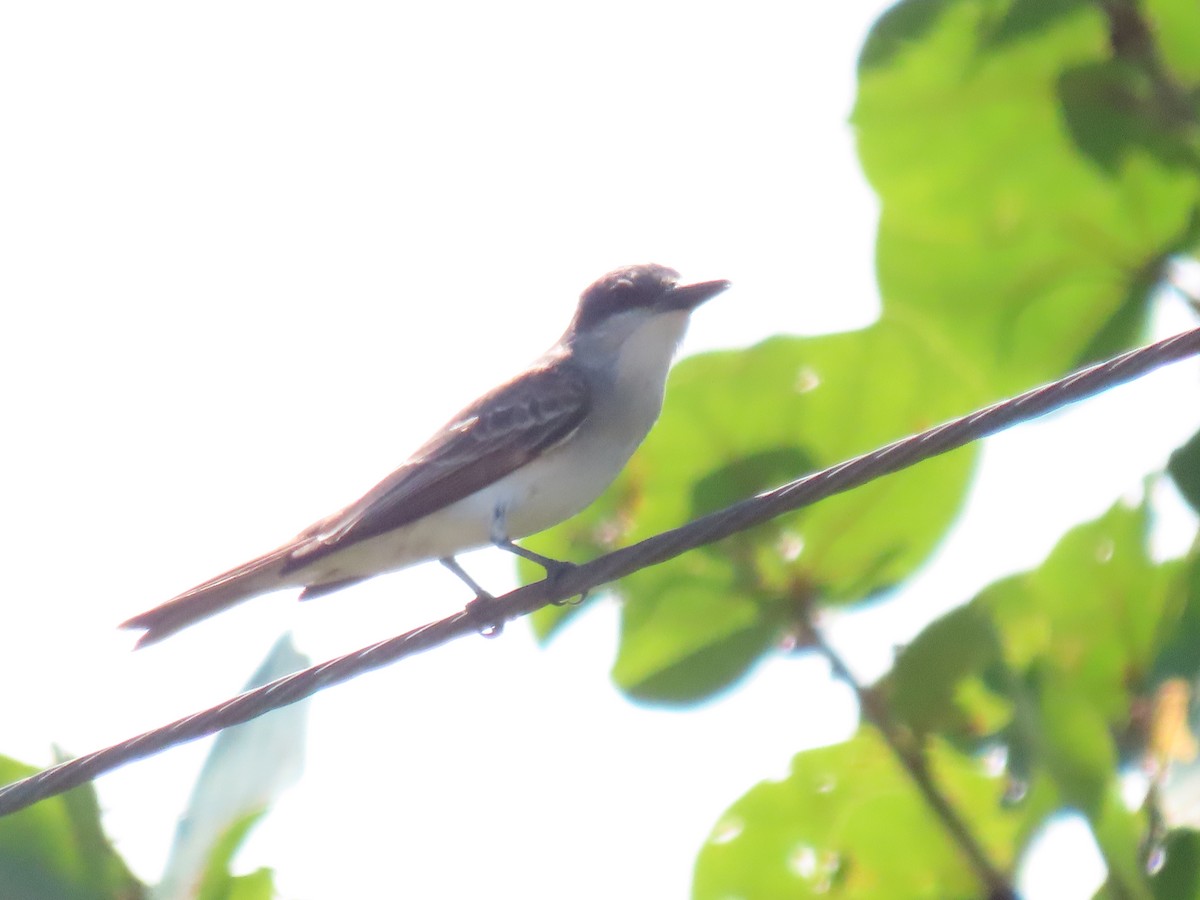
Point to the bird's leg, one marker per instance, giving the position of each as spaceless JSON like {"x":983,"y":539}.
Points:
{"x":481,"y":606}
{"x":554,"y":567}
{"x":452,"y":564}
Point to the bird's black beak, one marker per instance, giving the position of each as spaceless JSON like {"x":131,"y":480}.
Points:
{"x":689,"y":296}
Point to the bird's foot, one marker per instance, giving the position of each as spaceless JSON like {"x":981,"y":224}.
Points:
{"x":570,"y":601}
{"x":556,"y":569}
{"x":483,"y":611}
{"x":483,"y":608}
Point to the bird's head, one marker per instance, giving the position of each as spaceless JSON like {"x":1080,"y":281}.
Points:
{"x":640,"y":291}
{"x":643,"y":304}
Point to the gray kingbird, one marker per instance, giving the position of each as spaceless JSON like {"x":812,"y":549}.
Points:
{"x":523,"y":457}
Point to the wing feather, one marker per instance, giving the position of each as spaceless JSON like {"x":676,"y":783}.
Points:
{"x":497,"y":434}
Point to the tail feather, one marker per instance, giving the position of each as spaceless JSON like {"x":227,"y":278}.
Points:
{"x":211,"y":597}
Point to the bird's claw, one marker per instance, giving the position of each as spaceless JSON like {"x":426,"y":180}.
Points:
{"x":556,"y":569}
{"x":483,"y":610}
{"x":571,"y":601}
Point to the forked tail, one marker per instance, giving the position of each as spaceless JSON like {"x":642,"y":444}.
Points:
{"x":211,"y":597}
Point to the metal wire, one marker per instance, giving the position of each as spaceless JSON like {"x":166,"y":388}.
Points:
{"x":573,"y":582}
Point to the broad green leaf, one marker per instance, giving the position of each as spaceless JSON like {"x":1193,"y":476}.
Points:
{"x":1083,"y":640}
{"x":938,"y":682}
{"x":1184,"y":468}
{"x":1116,"y":111}
{"x":1030,"y":183}
{"x":737,"y":423}
{"x":1053,"y":663}
{"x":217,"y":883}
{"x":56,"y":848}
{"x":1074,"y":741}
{"x":849,"y":822}
{"x":1179,"y":656}
{"x":1120,"y":835}
{"x":1179,"y":878}
{"x":1099,"y":609}
{"x":691,"y":632}
{"x":1175,"y":28}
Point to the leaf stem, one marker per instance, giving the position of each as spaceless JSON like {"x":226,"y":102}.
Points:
{"x":910,"y":755}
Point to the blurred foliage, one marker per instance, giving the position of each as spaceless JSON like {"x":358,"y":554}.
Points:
{"x":1047,"y":671}
{"x":1185,"y":470}
{"x":849,"y":822}
{"x":218,"y":882}
{"x":1055,"y":666}
{"x":1037,"y":164}
{"x":1034,"y":171}
{"x":57,"y":849}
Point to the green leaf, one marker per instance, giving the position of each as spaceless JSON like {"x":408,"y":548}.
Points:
{"x":1184,"y":468}
{"x":849,"y":822}
{"x":217,"y":883}
{"x":1179,"y":656}
{"x":938,"y":684}
{"x":737,"y":423}
{"x":1074,"y":742}
{"x":1099,"y":609}
{"x":1176,"y":30}
{"x":56,"y":848}
{"x":1115,"y":112}
{"x":690,"y":632}
{"x":1179,"y":878}
{"x":1053,"y":663}
{"x":1120,"y":835}
{"x":995,"y":228}
{"x":1085,"y":638}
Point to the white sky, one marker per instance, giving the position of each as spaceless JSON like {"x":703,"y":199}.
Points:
{"x":254,"y":253}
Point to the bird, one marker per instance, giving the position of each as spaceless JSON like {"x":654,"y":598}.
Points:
{"x":523,"y":457}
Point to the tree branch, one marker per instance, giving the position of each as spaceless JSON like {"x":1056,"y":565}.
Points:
{"x":911,"y":756}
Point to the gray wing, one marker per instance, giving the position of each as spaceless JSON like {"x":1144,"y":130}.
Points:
{"x":498,"y":433}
